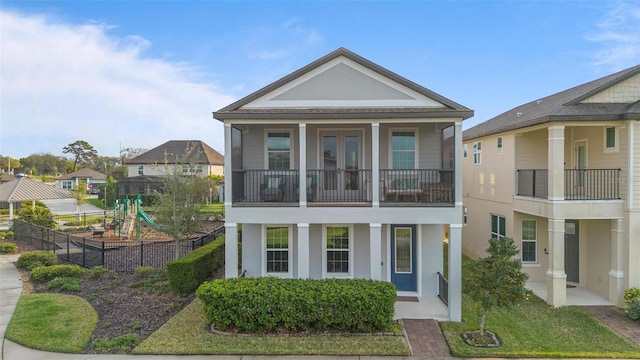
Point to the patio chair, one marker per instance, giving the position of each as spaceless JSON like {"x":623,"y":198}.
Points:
{"x":272,"y":187}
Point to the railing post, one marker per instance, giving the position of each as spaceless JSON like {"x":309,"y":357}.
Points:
{"x":102,"y":256}
{"x":533,"y":184}
{"x":84,"y":250}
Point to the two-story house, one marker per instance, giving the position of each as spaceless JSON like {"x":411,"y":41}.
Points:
{"x":344,"y":169}
{"x":560,"y":175}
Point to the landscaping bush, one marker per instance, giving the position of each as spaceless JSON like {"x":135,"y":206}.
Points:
{"x":274,"y":304}
{"x":66,"y":284}
{"x":629,"y":295}
{"x":634,"y":309}
{"x":7,"y":234}
{"x":7,"y":247}
{"x":46,"y":273}
{"x":33,"y":259}
{"x":191,"y":270}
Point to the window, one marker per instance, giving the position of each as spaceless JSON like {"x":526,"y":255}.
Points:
{"x":279,"y":150}
{"x":67,"y":184}
{"x":499,"y":144}
{"x":403,"y":149}
{"x":465,"y":149}
{"x":277,"y":246}
{"x":140,"y":169}
{"x":477,"y":152}
{"x":498,"y":227}
{"x":529,"y":241}
{"x":337,"y":254}
{"x":610,"y":139}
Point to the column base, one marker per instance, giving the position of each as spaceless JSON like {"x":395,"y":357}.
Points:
{"x":556,"y":288}
{"x":616,"y":287}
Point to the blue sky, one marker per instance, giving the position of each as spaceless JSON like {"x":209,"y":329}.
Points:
{"x":136,"y":74}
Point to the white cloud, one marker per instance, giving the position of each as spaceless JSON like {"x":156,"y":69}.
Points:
{"x":63,"y":82}
{"x":619,"y":35}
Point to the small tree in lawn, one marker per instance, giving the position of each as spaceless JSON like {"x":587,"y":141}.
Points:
{"x":79,"y":194}
{"x":497,"y":280}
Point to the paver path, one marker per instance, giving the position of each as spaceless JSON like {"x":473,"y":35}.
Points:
{"x":617,"y":320}
{"x":426,"y":338}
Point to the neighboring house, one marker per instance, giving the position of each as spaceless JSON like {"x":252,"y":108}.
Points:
{"x":560,"y":176}
{"x":193,"y":156}
{"x":344,"y":169}
{"x":90,"y":177}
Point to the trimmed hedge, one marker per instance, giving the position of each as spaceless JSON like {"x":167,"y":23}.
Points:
{"x":33,"y":259}
{"x":188,"y":272}
{"x":270,"y":304}
{"x":46,"y":273}
{"x":7,"y":247}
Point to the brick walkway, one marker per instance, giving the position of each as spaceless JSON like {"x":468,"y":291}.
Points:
{"x":616,"y":319}
{"x":426,"y":339}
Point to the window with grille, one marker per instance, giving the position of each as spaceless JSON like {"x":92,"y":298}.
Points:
{"x":279,"y":150}
{"x":277,"y":249}
{"x":529,"y":241}
{"x":498,"y":227}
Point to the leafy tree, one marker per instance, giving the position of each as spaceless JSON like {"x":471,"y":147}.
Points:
{"x":104,"y":163}
{"x":7,"y":163}
{"x":81,"y":151}
{"x":43,"y":164}
{"x":118,"y":172}
{"x":79,"y":194}
{"x":497,"y":280}
{"x":130,"y":153}
{"x":110,"y":192}
{"x":40,"y":215}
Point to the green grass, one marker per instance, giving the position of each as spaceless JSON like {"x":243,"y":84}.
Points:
{"x":213,"y":208}
{"x":96,"y":202}
{"x":188,"y":333}
{"x":52,"y":322}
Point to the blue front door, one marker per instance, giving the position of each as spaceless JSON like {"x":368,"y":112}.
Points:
{"x":403,"y":257}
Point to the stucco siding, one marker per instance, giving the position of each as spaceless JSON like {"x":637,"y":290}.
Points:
{"x":595,"y":255}
{"x":537,"y":270}
{"x":251,"y":250}
{"x":532,"y":150}
{"x":635,"y":180}
{"x":477,"y":231}
{"x":431,"y":254}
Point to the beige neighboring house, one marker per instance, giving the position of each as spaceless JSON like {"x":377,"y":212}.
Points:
{"x":561,"y":175}
{"x":194,"y":156}
{"x":88,"y":176}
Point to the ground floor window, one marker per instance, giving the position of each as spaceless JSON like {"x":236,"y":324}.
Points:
{"x":67,"y":184}
{"x":529,"y":241}
{"x":338,"y":251}
{"x":277,"y":250}
{"x":498,"y":227}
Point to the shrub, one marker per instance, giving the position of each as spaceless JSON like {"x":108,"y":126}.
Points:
{"x":191,"y":270}
{"x":65,"y":284}
{"x":33,"y":259}
{"x":7,"y":247}
{"x":143,"y":271}
{"x":46,"y":273}
{"x":634,"y":309}
{"x":7,"y":234}
{"x":97,"y":272}
{"x":273,"y":304}
{"x":629,"y":295}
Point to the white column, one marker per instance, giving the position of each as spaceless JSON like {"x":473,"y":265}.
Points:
{"x":303,"y":251}
{"x":556,"y":276}
{"x":455,"y":272}
{"x":375,"y":164}
{"x":555,"y":162}
{"x":10,"y":211}
{"x":616,"y":274}
{"x":302,"y":190}
{"x":228,"y":170}
{"x":231,"y":250}
{"x":375,"y":251}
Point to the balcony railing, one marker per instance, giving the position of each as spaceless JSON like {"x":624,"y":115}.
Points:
{"x":579,"y":184}
{"x":424,"y":186}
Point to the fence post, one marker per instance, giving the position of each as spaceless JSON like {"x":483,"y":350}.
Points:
{"x":103,"y":264}
{"x":141,"y":253}
{"x":84,"y":250}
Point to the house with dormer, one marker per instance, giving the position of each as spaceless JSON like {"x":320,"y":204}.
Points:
{"x":344,"y":169}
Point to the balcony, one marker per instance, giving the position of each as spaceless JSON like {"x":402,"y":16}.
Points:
{"x":579,"y":184}
{"x":348,"y":187}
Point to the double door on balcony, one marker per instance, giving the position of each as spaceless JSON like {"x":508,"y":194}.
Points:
{"x":341,"y":176}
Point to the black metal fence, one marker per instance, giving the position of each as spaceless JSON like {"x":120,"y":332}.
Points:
{"x":579,"y":184}
{"x":443,"y":288}
{"x":120,"y":256}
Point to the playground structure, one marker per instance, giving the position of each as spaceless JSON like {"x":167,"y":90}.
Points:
{"x":129,"y":215}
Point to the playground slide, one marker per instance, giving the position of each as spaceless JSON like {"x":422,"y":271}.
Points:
{"x":150,"y":221}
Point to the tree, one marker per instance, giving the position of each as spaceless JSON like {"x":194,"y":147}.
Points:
{"x":179,"y":204}
{"x":82,"y":152}
{"x":79,"y":194}
{"x":7,"y":163}
{"x":39,"y":215}
{"x":129,"y":153}
{"x":497,"y":280}
{"x":118,"y":172}
{"x":43,"y":164}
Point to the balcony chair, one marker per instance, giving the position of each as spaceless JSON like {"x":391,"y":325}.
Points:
{"x":312,"y":186}
{"x":272,"y":187}
{"x":402,"y":187}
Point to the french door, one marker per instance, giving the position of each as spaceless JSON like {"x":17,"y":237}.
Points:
{"x":341,"y":161}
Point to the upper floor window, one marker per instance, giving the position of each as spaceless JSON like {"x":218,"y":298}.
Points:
{"x":610,"y":139}
{"x":477,"y":152}
{"x":499,"y":144}
{"x":279,"y":150}
{"x":403,"y":149}
{"x":529,"y":241}
{"x":498,"y":227}
{"x":140,"y":169}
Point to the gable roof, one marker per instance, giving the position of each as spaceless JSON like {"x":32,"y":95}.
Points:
{"x":185,"y":151}
{"x":329,"y":103}
{"x":84,"y":174}
{"x":25,"y":189}
{"x":580,"y":103}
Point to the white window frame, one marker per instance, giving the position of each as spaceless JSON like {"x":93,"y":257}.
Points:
{"x":67,"y":184}
{"x":616,"y":139}
{"x":497,"y":234}
{"x":465,"y":150}
{"x":266,"y":146}
{"x":140,"y":169}
{"x":499,"y":145}
{"x":477,"y":152}
{"x":288,"y":274}
{"x":534,"y":241}
{"x":415,"y":150}
{"x":326,"y":274}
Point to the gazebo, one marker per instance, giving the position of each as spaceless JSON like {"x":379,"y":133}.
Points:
{"x":25,"y":189}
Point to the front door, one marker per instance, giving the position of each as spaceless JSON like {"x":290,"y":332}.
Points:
{"x":341,"y":162}
{"x":571,"y":249}
{"x":403,"y":257}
